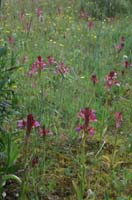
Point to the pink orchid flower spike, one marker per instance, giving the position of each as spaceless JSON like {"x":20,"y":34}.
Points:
{"x":121,"y":45}
{"x":119,"y":119}
{"x":28,"y":124}
{"x":88,"y":116}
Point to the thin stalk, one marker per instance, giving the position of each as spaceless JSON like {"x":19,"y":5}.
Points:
{"x":83,"y":167}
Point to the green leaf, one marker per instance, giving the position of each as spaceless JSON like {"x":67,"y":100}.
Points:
{"x":121,"y":198}
{"x":11,"y":169}
{"x":2,"y":145}
{"x":11,"y":177}
{"x":3,"y":51}
{"x":129,"y":176}
{"x":106,"y":196}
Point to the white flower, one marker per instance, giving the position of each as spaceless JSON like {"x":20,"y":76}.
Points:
{"x":4,"y":194}
{"x":125,"y":57}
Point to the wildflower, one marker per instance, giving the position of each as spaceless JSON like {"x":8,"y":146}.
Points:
{"x":62,"y":69}
{"x":4,"y":194}
{"x":112,"y":75}
{"x":43,"y":131}
{"x":61,"y":45}
{"x":28,"y":124}
{"x":125,"y":57}
{"x":83,"y":14}
{"x":88,"y":116}
{"x":39,"y":12}
{"x":79,"y":128}
{"x":37,"y":66}
{"x":31,"y":123}
{"x":21,"y":124}
{"x":27,"y":27}
{"x":127,"y":64}
{"x":94,"y":79}
{"x":21,"y":16}
{"x":51,"y":60}
{"x":111,"y":79}
{"x":119,"y":119}
{"x":121,"y":45}
{"x":90,"y":24}
{"x":94,"y":37}
{"x":14,"y":87}
{"x":25,"y":58}
{"x":11,"y":40}
{"x":20,"y":69}
{"x":35,"y":161}
{"x":91,"y":131}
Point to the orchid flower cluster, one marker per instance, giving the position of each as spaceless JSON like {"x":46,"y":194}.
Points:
{"x":94,"y":79}
{"x":90,"y":24}
{"x":88,"y":116}
{"x":127,"y":64}
{"x":31,"y":123}
{"x":121,"y":45}
{"x":40,"y":65}
{"x":119,"y":119}
{"x":62,"y":69}
{"x":83,"y":14}
{"x":111,"y":79}
{"x":37,"y":66}
{"x":39,"y":12}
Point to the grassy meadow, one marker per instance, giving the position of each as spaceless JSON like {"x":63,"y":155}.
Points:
{"x":65,"y":100}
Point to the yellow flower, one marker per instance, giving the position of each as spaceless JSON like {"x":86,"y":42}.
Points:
{"x":61,"y":45}
{"x":28,"y":14}
{"x":14,"y":87}
{"x":94,"y":37}
{"x":1,"y":40}
{"x":20,"y":69}
{"x":7,"y":31}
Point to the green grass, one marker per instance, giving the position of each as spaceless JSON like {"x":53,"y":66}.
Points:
{"x":68,"y":165}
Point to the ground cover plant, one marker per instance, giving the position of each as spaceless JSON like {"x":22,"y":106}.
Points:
{"x":65,"y":100}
